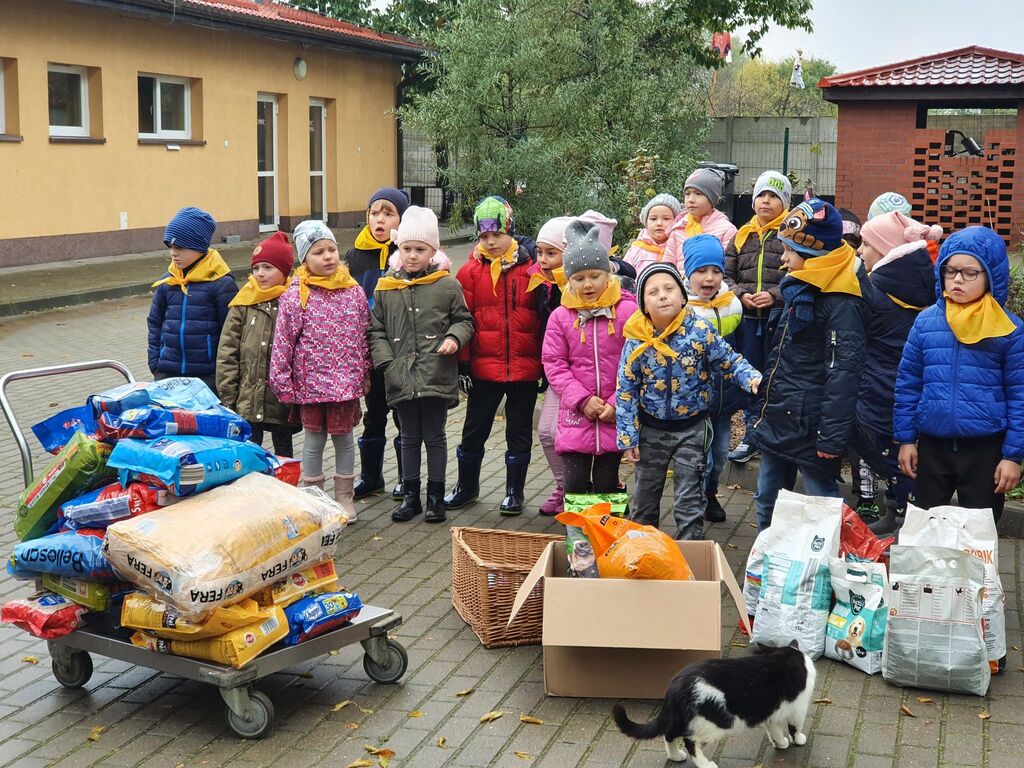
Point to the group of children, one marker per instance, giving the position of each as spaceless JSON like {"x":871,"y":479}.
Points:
{"x":915,"y":366}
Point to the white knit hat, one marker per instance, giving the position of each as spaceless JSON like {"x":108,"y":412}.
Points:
{"x":417,"y":224}
{"x":553,"y":232}
{"x":777,"y":184}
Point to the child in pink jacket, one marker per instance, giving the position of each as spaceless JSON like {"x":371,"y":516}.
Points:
{"x":321,"y":357}
{"x":657,"y":218}
{"x":582,"y":346}
{"x":701,"y":194}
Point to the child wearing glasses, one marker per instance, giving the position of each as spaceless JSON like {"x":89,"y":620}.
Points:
{"x":959,"y":409}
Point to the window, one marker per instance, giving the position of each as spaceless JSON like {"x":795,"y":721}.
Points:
{"x":69,"y":100}
{"x":164,"y":107}
{"x":3,"y":102}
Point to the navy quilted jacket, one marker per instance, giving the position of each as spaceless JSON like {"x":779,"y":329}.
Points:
{"x":184,"y":329}
{"x":948,"y":389}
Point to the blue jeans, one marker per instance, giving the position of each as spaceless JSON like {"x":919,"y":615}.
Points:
{"x":719,"y":451}
{"x":755,"y":342}
{"x":777,"y":473}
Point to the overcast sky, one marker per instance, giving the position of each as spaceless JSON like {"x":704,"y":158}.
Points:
{"x":857,"y":34}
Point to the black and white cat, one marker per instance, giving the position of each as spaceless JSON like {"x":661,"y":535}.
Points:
{"x":712,"y":699}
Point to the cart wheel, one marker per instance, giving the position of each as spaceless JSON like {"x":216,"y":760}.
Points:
{"x":259,"y":716}
{"x":73,"y":670}
{"x":398,"y":662}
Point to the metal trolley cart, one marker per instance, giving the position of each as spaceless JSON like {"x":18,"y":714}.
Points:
{"x":249,"y":712}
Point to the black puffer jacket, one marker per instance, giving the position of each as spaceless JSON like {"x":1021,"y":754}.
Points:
{"x":909,"y":279}
{"x":811,"y":379}
{"x":755,"y":267}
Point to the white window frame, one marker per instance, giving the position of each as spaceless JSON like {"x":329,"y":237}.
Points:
{"x":322,"y":173}
{"x":271,"y":98}
{"x":83,"y":75}
{"x":3,"y":102}
{"x":158,"y":132}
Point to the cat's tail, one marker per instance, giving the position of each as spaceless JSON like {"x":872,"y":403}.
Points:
{"x":649,"y":730}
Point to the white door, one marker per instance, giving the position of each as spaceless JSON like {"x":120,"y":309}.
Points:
{"x":317,"y":159}
{"x":266,"y":161}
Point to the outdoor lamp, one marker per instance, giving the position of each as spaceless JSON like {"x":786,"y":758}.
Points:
{"x":968,"y":146}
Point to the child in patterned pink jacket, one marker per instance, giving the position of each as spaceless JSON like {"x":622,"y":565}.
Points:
{"x":321,"y":358}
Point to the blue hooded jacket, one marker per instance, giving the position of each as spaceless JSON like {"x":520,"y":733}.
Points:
{"x":945,"y":388}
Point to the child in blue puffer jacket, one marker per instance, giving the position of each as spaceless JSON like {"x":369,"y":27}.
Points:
{"x":191,"y":301}
{"x":959,"y":408}
{"x":663,"y":397}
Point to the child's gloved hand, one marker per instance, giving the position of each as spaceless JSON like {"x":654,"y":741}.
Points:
{"x":593,"y":408}
{"x":908,"y":461}
{"x":1007,"y":476}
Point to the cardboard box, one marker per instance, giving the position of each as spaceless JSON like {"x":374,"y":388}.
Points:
{"x":625,"y":638}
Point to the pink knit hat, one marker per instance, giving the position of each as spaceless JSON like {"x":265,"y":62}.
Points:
{"x":553,"y":232}
{"x":419,"y":224}
{"x":889,"y":231}
{"x":605,"y":226}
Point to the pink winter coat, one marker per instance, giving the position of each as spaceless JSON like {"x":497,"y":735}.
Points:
{"x":576,"y":370}
{"x":715,"y":223}
{"x":639,"y":257}
{"x":320,"y":354}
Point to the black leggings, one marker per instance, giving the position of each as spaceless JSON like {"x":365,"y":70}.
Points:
{"x":280,"y":435}
{"x":586,"y":473}
{"x":484,"y":399}
{"x":375,"y":420}
{"x":423,"y":421}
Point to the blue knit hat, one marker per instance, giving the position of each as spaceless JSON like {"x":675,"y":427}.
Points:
{"x":813,"y":228}
{"x":396,"y":197}
{"x":702,"y":251}
{"x":190,"y":228}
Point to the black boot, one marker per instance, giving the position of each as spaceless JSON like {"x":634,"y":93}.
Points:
{"x":713,"y":511}
{"x":371,"y":467}
{"x":890,"y":523}
{"x":435,"y":502}
{"x":411,"y":505}
{"x":516,"y":465}
{"x":397,"y":492}
{"x":468,"y":486}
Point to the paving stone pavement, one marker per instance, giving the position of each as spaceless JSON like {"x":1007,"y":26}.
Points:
{"x":157,"y":720}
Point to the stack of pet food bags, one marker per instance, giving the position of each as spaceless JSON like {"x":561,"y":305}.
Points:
{"x":155,"y":487}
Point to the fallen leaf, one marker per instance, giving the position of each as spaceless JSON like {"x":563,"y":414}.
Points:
{"x":415,"y":713}
{"x":523,"y":755}
{"x":822,"y":701}
{"x":94,"y":733}
{"x":180,"y":765}
{"x":54,"y":405}
{"x":736,"y":644}
{"x":26,"y":354}
{"x":732,"y":546}
{"x":351,"y":726}
{"x":530,"y":719}
{"x":752,"y":525}
{"x":361,"y":763}
{"x":364,"y":710}
{"x":925,"y":700}
{"x":1020,"y":669}
{"x":441,"y":742}
{"x":379,"y":751}
{"x":735,"y":487}
{"x":466,"y":692}
{"x":341,"y":705}
{"x":376,"y":538}
{"x":30,"y":660}
{"x":984,"y":715}
{"x":334,"y":652}
{"x":384,"y":761}
{"x":306,"y":675}
{"x":906,"y":710}
{"x":1015,"y":647}
{"x":491,"y":716}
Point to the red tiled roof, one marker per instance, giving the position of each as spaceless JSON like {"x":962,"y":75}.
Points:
{"x":972,"y":66}
{"x":300,"y":19}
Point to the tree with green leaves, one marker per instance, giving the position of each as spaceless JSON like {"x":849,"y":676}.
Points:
{"x":555,"y":104}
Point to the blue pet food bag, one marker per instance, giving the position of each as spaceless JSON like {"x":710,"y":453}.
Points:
{"x":312,"y":616}
{"x":106,"y":505}
{"x":154,"y":421}
{"x":53,"y":433}
{"x":180,"y":392}
{"x":187,"y":464}
{"x":75,"y":554}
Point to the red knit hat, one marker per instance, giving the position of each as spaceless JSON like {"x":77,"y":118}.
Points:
{"x":277,"y":251}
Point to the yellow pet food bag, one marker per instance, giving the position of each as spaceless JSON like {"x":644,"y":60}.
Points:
{"x":140,"y":611}
{"x":319,"y":578}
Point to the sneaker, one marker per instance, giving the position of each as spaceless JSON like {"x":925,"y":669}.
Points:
{"x":869,"y":512}
{"x":744,"y":452}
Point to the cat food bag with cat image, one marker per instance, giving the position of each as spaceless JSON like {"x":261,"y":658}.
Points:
{"x":934,"y":637}
{"x":179,"y":392}
{"x":796,"y":585}
{"x":856,"y":626}
{"x":152,"y":421}
{"x":972,"y":531}
{"x":106,"y":505}
{"x":54,"y":432}
{"x":579,"y":551}
{"x":753,"y":571}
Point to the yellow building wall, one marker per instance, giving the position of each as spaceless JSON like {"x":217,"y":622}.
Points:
{"x":61,"y":189}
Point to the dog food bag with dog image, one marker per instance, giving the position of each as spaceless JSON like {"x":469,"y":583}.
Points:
{"x":44,"y":615}
{"x":54,"y":432}
{"x":106,"y":505}
{"x":796,"y":586}
{"x":215,"y":548}
{"x":79,"y":465}
{"x":154,"y":421}
{"x":934,"y":637}
{"x":972,"y":531}
{"x":856,"y":627}
{"x":140,"y":611}
{"x":578,"y":549}
{"x":178,"y":392}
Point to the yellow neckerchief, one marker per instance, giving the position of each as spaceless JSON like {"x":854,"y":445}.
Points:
{"x":367,"y":242}
{"x":693,"y":226}
{"x":720,"y":301}
{"x":539,"y":278}
{"x":981,"y":319}
{"x":903,"y":304}
{"x":639,"y":326}
{"x":340,"y":279}
{"x":392,"y":283}
{"x":753,"y":227}
{"x":657,"y":250}
{"x":508,"y":257}
{"x":609,"y":297}
{"x":831,"y":273}
{"x":251,"y":293}
{"x":209,"y":268}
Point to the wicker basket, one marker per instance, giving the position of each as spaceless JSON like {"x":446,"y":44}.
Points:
{"x":488,"y":568}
